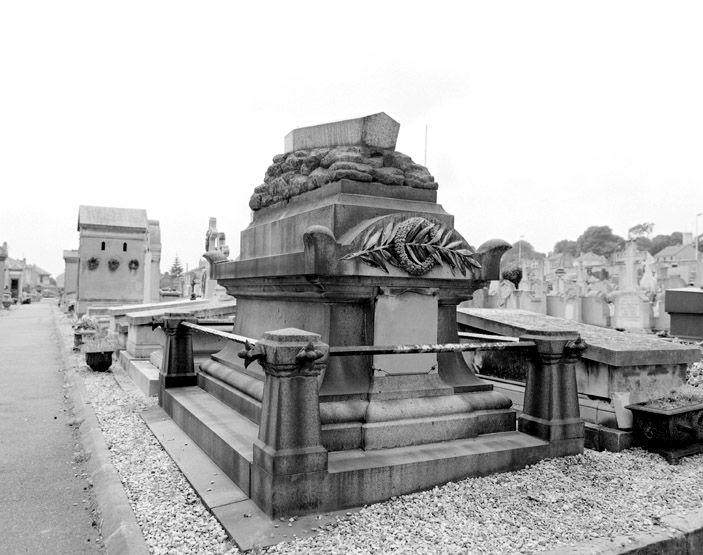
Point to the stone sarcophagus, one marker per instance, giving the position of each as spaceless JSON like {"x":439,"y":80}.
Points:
{"x":349,"y":242}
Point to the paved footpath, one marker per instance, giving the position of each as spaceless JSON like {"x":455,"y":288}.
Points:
{"x":45,"y":498}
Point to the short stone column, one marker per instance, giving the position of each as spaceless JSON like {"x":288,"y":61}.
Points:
{"x":177,"y":368}
{"x":290,"y":463}
{"x":551,"y":407}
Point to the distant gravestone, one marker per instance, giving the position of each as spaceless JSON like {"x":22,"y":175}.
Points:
{"x":627,"y":311}
{"x":479,"y":298}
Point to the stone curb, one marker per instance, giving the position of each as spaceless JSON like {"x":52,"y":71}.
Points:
{"x":119,"y":528}
{"x":677,"y":535}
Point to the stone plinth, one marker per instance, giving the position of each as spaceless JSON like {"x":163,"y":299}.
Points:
{"x":289,"y":463}
{"x":551,"y":409}
{"x":177,"y":369}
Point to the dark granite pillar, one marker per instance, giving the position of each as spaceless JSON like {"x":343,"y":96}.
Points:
{"x":177,"y":368}
{"x":290,"y":463}
{"x":551,"y":408}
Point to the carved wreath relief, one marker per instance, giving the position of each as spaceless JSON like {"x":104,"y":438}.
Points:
{"x":414,"y":245}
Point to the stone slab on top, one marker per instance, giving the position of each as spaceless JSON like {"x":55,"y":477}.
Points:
{"x":377,"y":130}
{"x":604,"y":345}
{"x":210,"y":310}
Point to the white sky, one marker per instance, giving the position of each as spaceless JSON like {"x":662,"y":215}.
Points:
{"x":544,"y":117}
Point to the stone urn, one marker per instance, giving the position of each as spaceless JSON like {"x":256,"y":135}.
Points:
{"x":99,"y":361}
{"x":673,"y":431}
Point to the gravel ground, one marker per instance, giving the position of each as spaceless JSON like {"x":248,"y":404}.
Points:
{"x":169,"y":512}
{"x":556,"y":502}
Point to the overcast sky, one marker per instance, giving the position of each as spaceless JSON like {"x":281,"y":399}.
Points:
{"x":543,"y":117}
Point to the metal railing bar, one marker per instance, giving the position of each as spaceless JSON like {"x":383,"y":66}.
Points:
{"x":430,"y":348}
{"x":215,"y":321}
{"x":231,"y":336}
{"x":487,"y":336}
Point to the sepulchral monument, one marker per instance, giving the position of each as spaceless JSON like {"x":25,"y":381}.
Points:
{"x":631,"y":310}
{"x":348,"y":250}
{"x":216,"y":250}
{"x":119,"y":254}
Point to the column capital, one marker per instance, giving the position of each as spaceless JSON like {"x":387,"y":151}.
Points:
{"x":288,"y":353}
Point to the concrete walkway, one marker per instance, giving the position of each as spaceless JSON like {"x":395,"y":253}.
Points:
{"x":45,"y":499}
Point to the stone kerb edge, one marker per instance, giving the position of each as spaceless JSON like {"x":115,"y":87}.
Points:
{"x":677,"y":535}
{"x":119,"y":529}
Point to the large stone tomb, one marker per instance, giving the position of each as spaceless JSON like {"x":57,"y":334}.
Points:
{"x":347,"y":242}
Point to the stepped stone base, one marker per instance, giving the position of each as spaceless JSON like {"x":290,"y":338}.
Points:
{"x":355,"y":477}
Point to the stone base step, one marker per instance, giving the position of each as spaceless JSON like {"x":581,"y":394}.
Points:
{"x":359,"y":477}
{"x":142,"y":372}
{"x":234,"y":398}
{"x":225,"y":435}
{"x":243,"y":521}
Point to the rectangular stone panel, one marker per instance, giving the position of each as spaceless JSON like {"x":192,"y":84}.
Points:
{"x":403,"y":319}
{"x":378,"y":130}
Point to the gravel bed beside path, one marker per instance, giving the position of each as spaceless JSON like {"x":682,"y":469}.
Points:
{"x":556,"y":502}
{"x":169,"y":512}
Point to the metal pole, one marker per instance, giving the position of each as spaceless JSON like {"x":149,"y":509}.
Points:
{"x":697,"y":216}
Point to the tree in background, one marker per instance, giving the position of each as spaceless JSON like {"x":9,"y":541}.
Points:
{"x":599,"y":240}
{"x":565,"y":246}
{"x":176,"y":268}
{"x":662,"y":241}
{"x":640,"y":233}
{"x":520,"y":251}
{"x":640,"y":230}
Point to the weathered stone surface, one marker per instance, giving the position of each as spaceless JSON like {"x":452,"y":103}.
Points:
{"x":374,"y":161}
{"x":309,"y":168}
{"x":274,"y":170}
{"x":292,"y":163}
{"x":604,"y":345}
{"x":350,"y":174}
{"x":320,"y":177}
{"x":351,"y":166}
{"x":310,"y":164}
{"x":378,"y":130}
{"x":412,"y":181}
{"x":388,"y":176}
{"x":347,"y":154}
{"x":397,"y":160}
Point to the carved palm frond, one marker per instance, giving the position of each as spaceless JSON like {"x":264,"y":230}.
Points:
{"x":414,"y":245}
